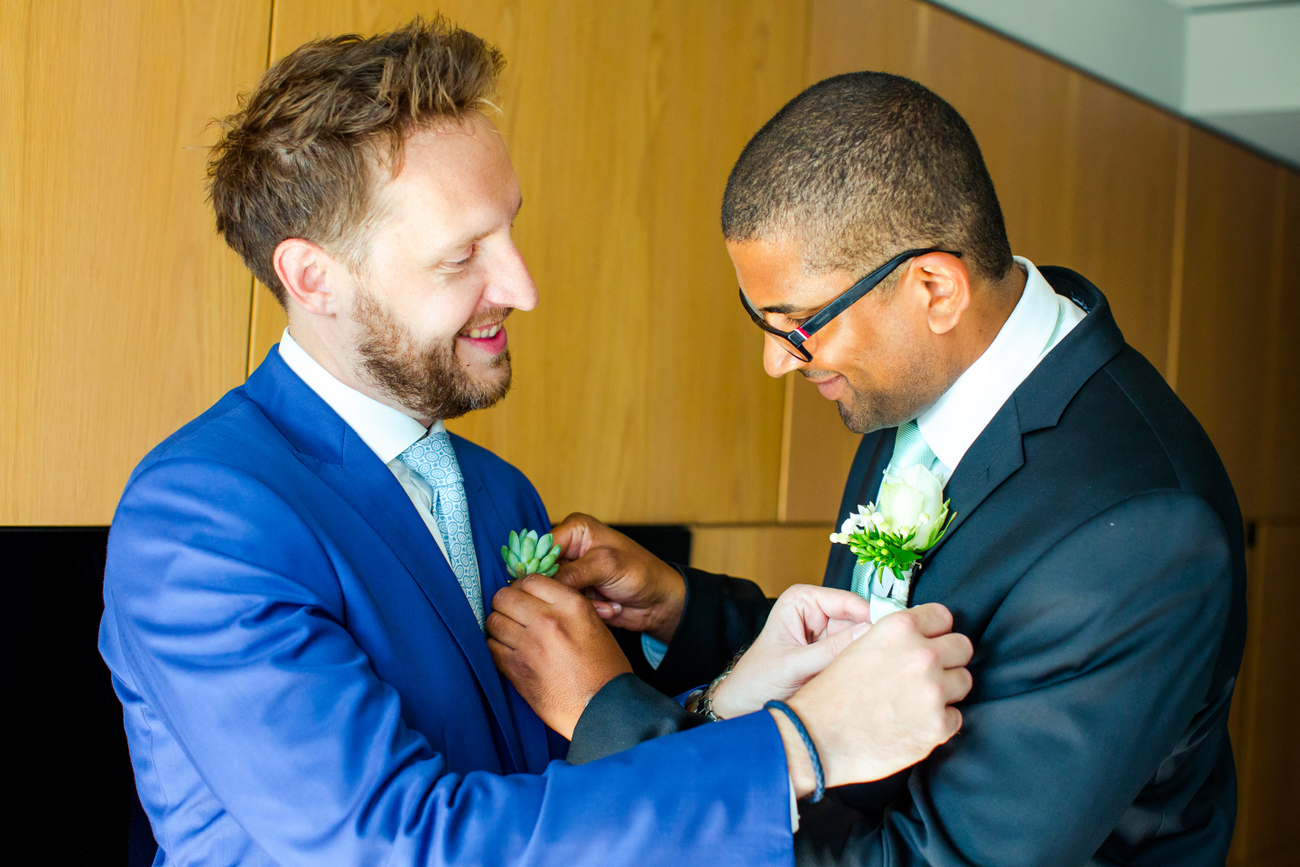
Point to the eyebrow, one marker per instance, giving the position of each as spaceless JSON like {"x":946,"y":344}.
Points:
{"x":784,"y":309}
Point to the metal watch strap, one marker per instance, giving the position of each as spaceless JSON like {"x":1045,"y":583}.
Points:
{"x":704,"y":704}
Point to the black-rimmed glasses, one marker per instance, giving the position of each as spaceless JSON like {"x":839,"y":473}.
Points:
{"x":794,"y":340}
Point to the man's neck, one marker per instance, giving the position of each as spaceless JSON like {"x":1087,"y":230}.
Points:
{"x":992,"y":304}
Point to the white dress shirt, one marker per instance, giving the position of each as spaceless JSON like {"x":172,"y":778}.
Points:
{"x":1039,"y":321}
{"x":387,"y":431}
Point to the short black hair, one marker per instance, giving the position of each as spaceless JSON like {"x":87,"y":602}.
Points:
{"x":862,"y":166}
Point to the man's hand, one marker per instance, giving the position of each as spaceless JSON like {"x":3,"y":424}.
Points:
{"x":547,"y":639}
{"x":808,"y":627}
{"x":629,"y":587}
{"x":884,"y":703}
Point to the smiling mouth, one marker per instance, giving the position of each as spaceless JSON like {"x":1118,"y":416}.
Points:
{"x":485,"y":333}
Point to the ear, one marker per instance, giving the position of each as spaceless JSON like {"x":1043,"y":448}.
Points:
{"x":306,"y":271}
{"x":947,"y":283}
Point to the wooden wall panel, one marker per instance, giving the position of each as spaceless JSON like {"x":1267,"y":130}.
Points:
{"x":1267,"y":706}
{"x":821,"y":450}
{"x":125,"y":315}
{"x":639,"y":392}
{"x":1226,"y":276}
{"x":853,"y":35}
{"x":1279,"y":469}
{"x":774,"y":556}
{"x":1120,"y":215}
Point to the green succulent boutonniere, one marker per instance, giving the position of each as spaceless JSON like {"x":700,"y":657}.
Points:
{"x":526,"y":554}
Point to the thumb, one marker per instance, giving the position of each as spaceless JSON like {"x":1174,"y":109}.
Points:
{"x":588,"y":571}
{"x":807,"y":662}
{"x":574,"y":534}
{"x":835,"y":644}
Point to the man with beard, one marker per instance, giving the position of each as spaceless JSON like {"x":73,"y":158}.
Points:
{"x":299,"y":580}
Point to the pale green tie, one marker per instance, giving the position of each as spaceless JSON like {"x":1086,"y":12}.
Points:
{"x":910,"y":448}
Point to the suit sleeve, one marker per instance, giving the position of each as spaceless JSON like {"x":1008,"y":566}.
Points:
{"x":722,"y":616}
{"x":222,"y":612}
{"x":1094,"y":668}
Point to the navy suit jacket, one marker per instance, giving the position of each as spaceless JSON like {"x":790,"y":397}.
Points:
{"x":1096,"y":560}
{"x":304,"y":682}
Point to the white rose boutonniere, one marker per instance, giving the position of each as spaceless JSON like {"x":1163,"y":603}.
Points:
{"x":908,"y":519}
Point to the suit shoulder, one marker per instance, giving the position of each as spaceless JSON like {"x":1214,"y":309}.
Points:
{"x":233,"y":432}
{"x":1186,"y":447}
{"x":1126,"y":433}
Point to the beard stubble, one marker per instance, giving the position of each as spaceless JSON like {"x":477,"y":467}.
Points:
{"x":427,"y":381}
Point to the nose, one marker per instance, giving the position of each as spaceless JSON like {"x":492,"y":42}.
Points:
{"x":777,"y":360}
{"x":510,"y":284}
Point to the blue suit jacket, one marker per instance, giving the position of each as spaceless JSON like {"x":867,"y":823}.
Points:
{"x":304,"y":682}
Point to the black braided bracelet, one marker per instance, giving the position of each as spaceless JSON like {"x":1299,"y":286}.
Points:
{"x":808,"y":744}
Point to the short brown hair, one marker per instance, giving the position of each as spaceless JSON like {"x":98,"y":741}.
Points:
{"x":862,"y":166}
{"x":299,"y":158}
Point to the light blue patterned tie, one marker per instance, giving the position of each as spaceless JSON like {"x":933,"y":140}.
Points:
{"x":434,"y":460}
{"x":910,"y":448}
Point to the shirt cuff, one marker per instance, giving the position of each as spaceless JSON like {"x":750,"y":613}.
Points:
{"x":794,"y":809}
{"x":653,"y":649}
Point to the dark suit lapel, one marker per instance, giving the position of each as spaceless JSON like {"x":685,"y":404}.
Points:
{"x":341,"y":459}
{"x":1036,"y":404}
{"x":990,"y":461}
{"x":863,"y":484}
{"x":490,"y":532}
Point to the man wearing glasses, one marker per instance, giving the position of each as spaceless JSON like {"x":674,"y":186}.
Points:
{"x":1095,"y":557}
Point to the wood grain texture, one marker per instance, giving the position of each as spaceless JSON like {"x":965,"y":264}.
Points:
{"x":773,"y":556}
{"x":821,"y":452}
{"x":1267,"y":705}
{"x":639,"y":393}
{"x":1279,"y":470}
{"x":1224,"y":324}
{"x":1119,"y":213}
{"x":125,"y":315}
{"x":853,"y":35}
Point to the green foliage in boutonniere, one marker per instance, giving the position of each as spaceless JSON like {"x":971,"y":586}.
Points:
{"x":910,"y":517}
{"x":528,"y":555}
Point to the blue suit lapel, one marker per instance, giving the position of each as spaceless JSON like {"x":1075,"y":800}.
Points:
{"x":343,"y":461}
{"x":490,"y":530}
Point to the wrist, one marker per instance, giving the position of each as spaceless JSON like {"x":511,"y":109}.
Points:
{"x":668,"y":612}
{"x":798,"y":762}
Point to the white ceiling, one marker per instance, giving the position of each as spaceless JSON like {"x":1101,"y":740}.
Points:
{"x":1231,"y":64}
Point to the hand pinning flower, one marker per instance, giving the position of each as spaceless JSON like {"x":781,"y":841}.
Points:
{"x":528,"y":555}
{"x":911,"y":517}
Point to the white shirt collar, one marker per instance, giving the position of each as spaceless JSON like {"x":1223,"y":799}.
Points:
{"x":1038,"y":322}
{"x":387,"y":431}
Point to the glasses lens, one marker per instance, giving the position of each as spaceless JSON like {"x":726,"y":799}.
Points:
{"x":777,"y":334}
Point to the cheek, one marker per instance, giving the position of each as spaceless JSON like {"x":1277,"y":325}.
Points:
{"x":877,"y":353}
{"x":439,"y":316}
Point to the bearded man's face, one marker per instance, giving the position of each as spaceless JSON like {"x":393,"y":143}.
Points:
{"x":427,"y":378}
{"x":440,"y":274}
